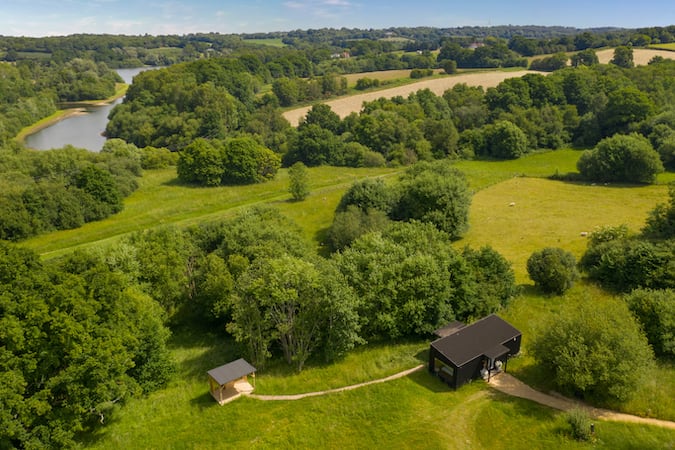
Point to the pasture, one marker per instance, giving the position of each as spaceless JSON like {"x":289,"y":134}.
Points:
{"x":416,"y":411}
{"x":270,"y":42}
{"x":670,"y":46}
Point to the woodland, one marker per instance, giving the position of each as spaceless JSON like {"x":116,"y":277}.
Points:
{"x":86,"y":332}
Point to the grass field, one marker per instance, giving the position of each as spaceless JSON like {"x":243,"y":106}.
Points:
{"x":161,"y":200}
{"x":413,"y":412}
{"x":670,"y":46}
{"x":270,"y":42}
{"x":417,"y":411}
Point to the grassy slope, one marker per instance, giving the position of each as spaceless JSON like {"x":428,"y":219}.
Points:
{"x":161,"y":200}
{"x":414,"y":412}
{"x":417,"y":411}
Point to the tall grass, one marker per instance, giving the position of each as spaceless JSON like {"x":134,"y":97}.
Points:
{"x":417,"y":411}
{"x":414,"y":412}
{"x":161,"y":200}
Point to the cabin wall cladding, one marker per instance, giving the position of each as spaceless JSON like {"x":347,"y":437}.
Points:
{"x":462,"y":352}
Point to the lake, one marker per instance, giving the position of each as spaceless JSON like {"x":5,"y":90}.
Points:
{"x":82,"y":130}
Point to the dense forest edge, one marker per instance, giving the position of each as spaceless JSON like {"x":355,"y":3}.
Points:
{"x":90,"y":330}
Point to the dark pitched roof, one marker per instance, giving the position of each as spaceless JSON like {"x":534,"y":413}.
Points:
{"x":484,"y":337}
{"x":231,"y":371}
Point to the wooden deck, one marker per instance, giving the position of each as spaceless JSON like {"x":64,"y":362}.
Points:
{"x":232,"y":392}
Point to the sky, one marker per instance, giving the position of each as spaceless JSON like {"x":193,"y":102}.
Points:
{"x":155,"y":17}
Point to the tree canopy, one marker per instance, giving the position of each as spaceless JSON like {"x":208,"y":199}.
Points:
{"x":595,"y":351}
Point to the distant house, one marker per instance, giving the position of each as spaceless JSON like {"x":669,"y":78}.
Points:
{"x":230,"y":381}
{"x":467,"y":352}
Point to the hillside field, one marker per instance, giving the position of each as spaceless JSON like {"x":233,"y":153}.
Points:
{"x":417,"y":411}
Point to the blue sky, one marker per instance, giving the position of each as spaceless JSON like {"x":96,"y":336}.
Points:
{"x":61,"y":17}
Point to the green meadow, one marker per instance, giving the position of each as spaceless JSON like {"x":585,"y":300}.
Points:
{"x":516,"y":209}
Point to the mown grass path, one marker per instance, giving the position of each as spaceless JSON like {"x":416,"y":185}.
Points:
{"x":504,"y":383}
{"x":341,"y":389}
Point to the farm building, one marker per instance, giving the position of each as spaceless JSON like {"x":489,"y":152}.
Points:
{"x":467,"y":352}
{"x":230,"y":381}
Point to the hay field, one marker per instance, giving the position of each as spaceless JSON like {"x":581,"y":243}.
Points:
{"x":346,"y":105}
{"x":641,"y":56}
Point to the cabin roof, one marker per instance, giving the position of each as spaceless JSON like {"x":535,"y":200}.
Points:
{"x":484,"y":337}
{"x":231,"y":371}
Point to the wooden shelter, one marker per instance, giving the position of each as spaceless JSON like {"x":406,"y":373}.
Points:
{"x":231,"y":380}
{"x":466,"y":352}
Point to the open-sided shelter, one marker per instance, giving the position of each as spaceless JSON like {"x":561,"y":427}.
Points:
{"x":466,"y":352}
{"x":229,"y":381}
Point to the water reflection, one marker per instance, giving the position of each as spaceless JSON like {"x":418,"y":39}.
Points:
{"x":83,"y":130}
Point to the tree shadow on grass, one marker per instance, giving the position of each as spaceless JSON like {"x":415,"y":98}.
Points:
{"x":204,"y":400}
{"x":200,"y":350}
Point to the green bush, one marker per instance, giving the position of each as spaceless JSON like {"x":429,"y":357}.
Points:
{"x":655,"y":310}
{"x":580,"y":422}
{"x":623,"y":158}
{"x":627,"y":264}
{"x":595,"y":351}
{"x":554,"y":270}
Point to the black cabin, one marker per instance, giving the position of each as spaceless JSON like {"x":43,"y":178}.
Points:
{"x":467,"y":352}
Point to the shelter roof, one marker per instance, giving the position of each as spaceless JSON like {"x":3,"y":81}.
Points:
{"x":231,"y":371}
{"x":449,"y":329}
{"x":484,"y":337}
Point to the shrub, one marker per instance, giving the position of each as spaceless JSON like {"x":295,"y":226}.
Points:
{"x":627,"y":158}
{"x":366,"y":83}
{"x":655,"y":310}
{"x":553,"y":270}
{"x":298,"y":181}
{"x":580,"y":422}
{"x":594,"y":350}
{"x":661,"y":220}
{"x":371,"y":193}
{"x":421,"y":73}
{"x":550,"y":63}
{"x":627,"y":264}
{"x":436,"y":193}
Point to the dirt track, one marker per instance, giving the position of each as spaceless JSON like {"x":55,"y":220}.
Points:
{"x":344,"y":106}
{"x":512,"y":386}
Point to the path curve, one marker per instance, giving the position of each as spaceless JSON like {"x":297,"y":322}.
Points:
{"x":331,"y":391}
{"x":504,"y":383}
{"x":510,"y":385}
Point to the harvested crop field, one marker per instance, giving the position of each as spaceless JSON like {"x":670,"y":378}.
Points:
{"x":382,"y":75}
{"x":344,"y":106}
{"x":641,"y":56}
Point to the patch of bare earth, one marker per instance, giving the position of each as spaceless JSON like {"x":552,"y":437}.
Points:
{"x":345,"y":106}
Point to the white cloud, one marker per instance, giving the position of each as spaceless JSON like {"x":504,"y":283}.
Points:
{"x":337,"y":3}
